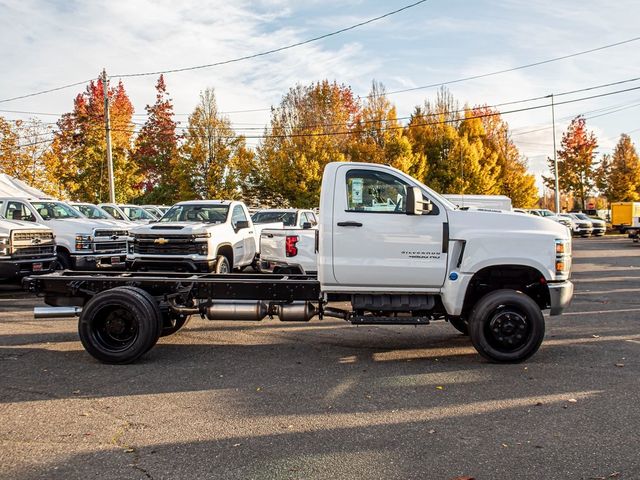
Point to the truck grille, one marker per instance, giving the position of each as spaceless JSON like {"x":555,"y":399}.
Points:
{"x":110,"y":247}
{"x":32,"y":244}
{"x":110,"y":233}
{"x":110,"y":241}
{"x":165,"y":245}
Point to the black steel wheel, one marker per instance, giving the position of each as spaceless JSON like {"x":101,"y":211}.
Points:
{"x":506,"y":326}
{"x":222,"y":264}
{"x":119,"y":325}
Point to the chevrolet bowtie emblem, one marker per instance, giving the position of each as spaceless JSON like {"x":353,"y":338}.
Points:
{"x":161,"y":241}
{"x":36,"y":241}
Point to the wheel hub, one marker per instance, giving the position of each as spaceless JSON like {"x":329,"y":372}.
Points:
{"x":508,"y":328}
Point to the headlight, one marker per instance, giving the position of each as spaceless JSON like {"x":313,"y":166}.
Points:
{"x":83,"y":241}
{"x":563,"y":256}
{"x":5,"y":245}
{"x":202,"y":248}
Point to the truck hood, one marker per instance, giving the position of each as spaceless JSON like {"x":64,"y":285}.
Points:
{"x":6,"y":225}
{"x":175,"y":228}
{"x":82,"y":225}
{"x":502,"y":222}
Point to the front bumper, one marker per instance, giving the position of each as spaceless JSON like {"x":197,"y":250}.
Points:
{"x":171,"y":264}
{"x":92,"y":261}
{"x":12,"y":268}
{"x":560,"y":295}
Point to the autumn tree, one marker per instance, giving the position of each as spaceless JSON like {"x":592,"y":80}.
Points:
{"x":23,"y":144}
{"x":514,"y":180}
{"x":212,"y":156}
{"x":473,"y":164}
{"x":378,"y":136}
{"x":312,"y":126}
{"x":156,"y":150}
{"x":618,"y":176}
{"x":433,"y":132}
{"x":576,"y":167}
{"x":77,"y":163}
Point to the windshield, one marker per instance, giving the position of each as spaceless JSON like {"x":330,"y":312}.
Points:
{"x":547,"y":213}
{"x":91,"y":211}
{"x":55,"y":210}
{"x":582,"y":216}
{"x":136,"y":213}
{"x":287,"y":218}
{"x":197,"y":213}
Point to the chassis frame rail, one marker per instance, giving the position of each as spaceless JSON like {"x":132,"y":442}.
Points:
{"x":71,"y":288}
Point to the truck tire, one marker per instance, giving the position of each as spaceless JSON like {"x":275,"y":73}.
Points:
{"x":154,"y":303}
{"x":172,"y":322}
{"x":459,"y":324}
{"x":62,"y":261}
{"x":506,"y":326}
{"x":222,"y":264}
{"x":119,"y":325}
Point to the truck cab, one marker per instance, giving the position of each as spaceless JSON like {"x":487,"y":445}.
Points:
{"x":25,"y":249}
{"x":81,"y":243}
{"x":195,"y":236}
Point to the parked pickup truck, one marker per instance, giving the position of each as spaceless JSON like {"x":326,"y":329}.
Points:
{"x":291,"y":247}
{"x":81,"y":243}
{"x":195,"y":236}
{"x":395,"y":250}
{"x":25,"y":249}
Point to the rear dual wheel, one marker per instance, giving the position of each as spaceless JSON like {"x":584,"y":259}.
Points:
{"x":120,"y":325}
{"x":506,"y":326}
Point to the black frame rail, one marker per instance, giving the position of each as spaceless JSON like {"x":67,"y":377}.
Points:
{"x":69,"y":288}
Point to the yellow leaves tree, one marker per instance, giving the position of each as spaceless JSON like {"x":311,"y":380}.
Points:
{"x":618,"y":176}
{"x":212,"y":156}
{"x":312,"y":126}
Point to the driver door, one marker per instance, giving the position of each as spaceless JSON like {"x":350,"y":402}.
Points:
{"x":375,"y":243}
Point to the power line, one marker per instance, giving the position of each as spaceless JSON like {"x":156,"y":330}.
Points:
{"x":440,"y":122}
{"x":275,"y":50}
{"x":513,"y":69}
{"x":47,"y":91}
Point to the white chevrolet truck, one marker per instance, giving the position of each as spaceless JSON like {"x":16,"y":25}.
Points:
{"x":81,"y":243}
{"x":195,"y":236}
{"x":394,"y":250}
{"x":25,"y":249}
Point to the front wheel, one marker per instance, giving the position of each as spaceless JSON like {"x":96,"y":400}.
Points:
{"x":506,"y":326}
{"x":222,"y":264}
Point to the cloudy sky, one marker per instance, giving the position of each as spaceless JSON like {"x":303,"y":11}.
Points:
{"x":47,"y":44}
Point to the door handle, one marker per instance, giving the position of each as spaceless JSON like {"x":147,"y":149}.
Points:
{"x":349,"y":224}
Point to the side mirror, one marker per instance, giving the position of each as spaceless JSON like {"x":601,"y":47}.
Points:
{"x":306,"y":225}
{"x":415,"y":204}
{"x":240,"y":224}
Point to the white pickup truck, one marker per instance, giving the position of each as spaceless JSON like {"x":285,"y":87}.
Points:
{"x":195,"y":236}
{"x":25,"y":249}
{"x":291,"y":248}
{"x":395,"y":250}
{"x":81,"y":243}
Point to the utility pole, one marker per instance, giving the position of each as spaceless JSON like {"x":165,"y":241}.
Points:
{"x":555,"y":156}
{"x":107,"y":129}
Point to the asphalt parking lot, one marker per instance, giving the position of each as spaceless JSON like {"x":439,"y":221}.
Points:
{"x":329,"y":400}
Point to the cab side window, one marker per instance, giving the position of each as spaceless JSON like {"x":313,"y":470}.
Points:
{"x":238,"y":216}
{"x":375,"y":192}
{"x":19,"y":211}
